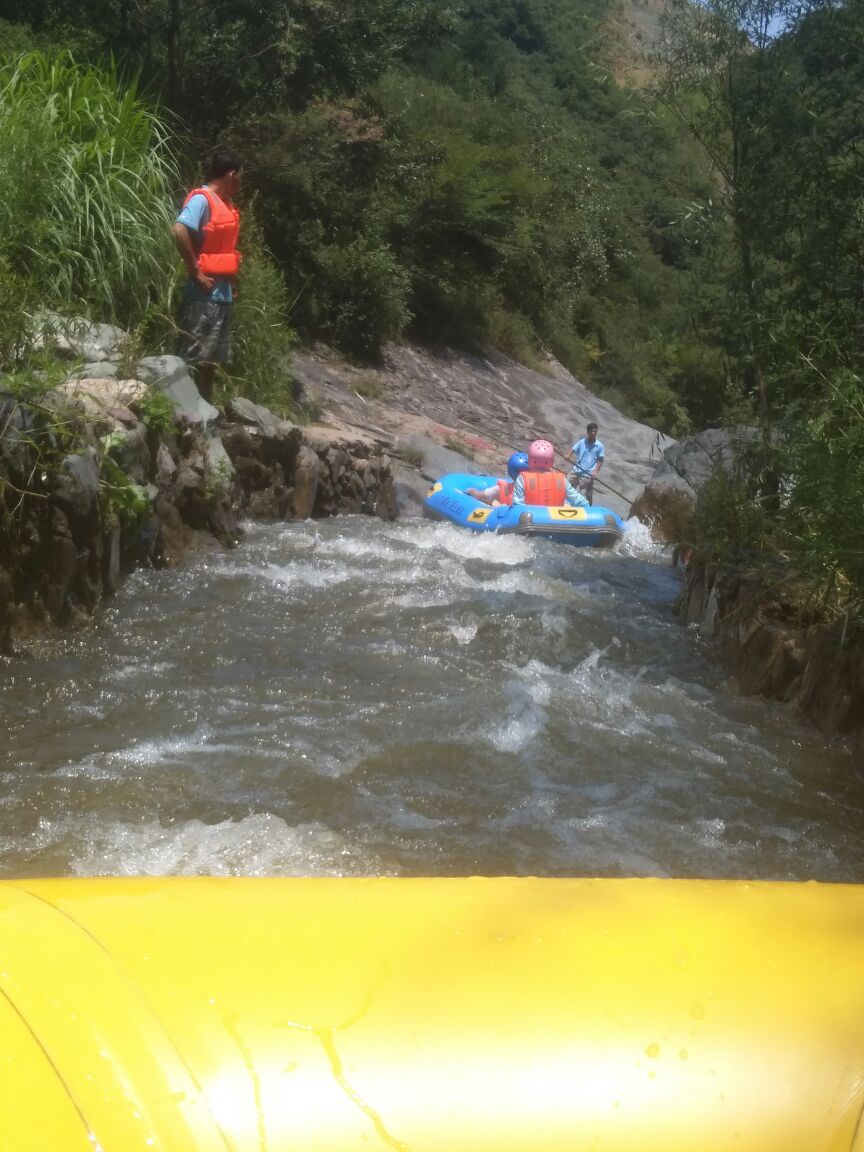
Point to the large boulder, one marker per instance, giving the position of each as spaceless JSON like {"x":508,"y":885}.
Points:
{"x":170,"y":374}
{"x":76,"y":484}
{"x":306,"y":477}
{"x":79,"y":338}
{"x":18,"y":428}
{"x":239,"y":410}
{"x":131,"y":452}
{"x":667,"y":502}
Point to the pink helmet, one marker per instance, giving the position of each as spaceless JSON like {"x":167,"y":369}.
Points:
{"x":541,"y":455}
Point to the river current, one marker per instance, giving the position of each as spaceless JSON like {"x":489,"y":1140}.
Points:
{"x":348,"y":697}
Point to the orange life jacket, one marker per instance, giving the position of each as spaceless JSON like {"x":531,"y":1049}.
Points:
{"x":218,"y":255}
{"x":548,"y":489}
{"x":505,"y":491}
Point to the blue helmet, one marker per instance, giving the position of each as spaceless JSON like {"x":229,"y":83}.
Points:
{"x":517,"y":463}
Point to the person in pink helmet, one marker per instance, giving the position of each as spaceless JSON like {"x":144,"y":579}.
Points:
{"x":542,"y":484}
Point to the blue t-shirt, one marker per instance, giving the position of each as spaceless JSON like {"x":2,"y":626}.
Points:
{"x":586,"y":455}
{"x":195,"y":215}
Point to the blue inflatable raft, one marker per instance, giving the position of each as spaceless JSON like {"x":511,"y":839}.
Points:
{"x":592,"y":527}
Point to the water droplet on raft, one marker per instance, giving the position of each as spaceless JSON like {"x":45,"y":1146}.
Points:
{"x":653,"y":1050}
{"x":683,"y":1054}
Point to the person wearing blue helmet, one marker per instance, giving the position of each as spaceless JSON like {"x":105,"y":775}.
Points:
{"x":501,"y":492}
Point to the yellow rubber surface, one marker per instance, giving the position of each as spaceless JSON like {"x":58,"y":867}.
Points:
{"x":431,"y":1016}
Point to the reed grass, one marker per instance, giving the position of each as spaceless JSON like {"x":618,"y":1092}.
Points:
{"x":87,"y":187}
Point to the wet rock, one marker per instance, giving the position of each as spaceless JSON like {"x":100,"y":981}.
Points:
{"x":772,"y":651}
{"x":170,"y":374}
{"x":7,"y":606}
{"x":306,"y":480}
{"x":103,"y":397}
{"x":667,"y":502}
{"x":95,"y":370}
{"x":166,"y":469}
{"x":76,"y":485}
{"x":18,"y":425}
{"x":111,"y":560}
{"x":242,"y":411}
{"x":131,"y":451}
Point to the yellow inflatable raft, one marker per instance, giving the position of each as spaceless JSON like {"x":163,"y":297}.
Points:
{"x":430,"y":1016}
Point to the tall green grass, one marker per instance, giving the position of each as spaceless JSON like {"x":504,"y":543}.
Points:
{"x":87,"y":186}
{"x":791,"y":509}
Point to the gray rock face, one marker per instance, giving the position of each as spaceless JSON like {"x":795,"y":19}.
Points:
{"x":668,"y":500}
{"x":242,"y":411}
{"x":171,"y":375}
{"x":306,"y":483}
{"x":95,"y":370}
{"x":218,"y":463}
{"x":166,"y":469}
{"x":132,"y":453}
{"x":17,"y":423}
{"x":77,"y":484}
{"x":162,"y":370}
{"x":491,"y":404}
{"x":694,"y":459}
{"x":771,"y":651}
{"x":81,"y":338}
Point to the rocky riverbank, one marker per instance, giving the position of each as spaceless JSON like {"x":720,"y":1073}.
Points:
{"x":124,"y":464}
{"x":770,"y":651}
{"x":758,"y":629}
{"x":103,"y":473}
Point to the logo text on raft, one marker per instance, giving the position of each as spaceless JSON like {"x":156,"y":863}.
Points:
{"x":453,"y":505}
{"x":568,"y":514}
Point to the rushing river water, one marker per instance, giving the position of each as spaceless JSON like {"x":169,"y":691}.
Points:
{"x":350,"y":697}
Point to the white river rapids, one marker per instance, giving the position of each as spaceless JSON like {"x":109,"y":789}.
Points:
{"x":350,"y":697}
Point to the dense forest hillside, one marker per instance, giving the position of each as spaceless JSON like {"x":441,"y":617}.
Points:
{"x":462,"y":172}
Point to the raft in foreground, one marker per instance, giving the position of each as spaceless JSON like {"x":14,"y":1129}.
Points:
{"x":593,"y":527}
{"x":431,"y":1015}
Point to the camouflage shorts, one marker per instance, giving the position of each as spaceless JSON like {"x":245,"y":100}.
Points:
{"x":585,"y":486}
{"x":205,"y":332}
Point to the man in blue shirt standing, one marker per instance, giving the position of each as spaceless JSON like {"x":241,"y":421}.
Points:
{"x":205,"y":233}
{"x":587,"y":456}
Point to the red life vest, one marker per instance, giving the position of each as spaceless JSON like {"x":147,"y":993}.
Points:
{"x":505,"y":491}
{"x":548,"y":489}
{"x":218,"y":255}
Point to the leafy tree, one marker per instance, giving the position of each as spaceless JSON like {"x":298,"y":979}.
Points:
{"x":721,"y":68}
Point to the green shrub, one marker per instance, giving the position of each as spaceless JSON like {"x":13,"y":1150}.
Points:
{"x":262,"y":339}
{"x":367,"y":292}
{"x":730,"y":523}
{"x":821,"y":513}
{"x":156,"y":411}
{"x":120,"y":496}
{"x":513,"y":335}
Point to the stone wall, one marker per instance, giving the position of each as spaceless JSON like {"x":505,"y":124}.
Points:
{"x":818,"y":667}
{"x":89,"y":491}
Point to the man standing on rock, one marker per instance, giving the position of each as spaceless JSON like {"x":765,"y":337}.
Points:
{"x":206,"y":233}
{"x":587,"y":456}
